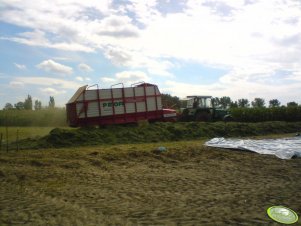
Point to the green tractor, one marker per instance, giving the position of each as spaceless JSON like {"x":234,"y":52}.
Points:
{"x":201,"y":108}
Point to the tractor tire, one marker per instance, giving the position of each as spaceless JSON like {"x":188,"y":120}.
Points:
{"x":184,"y":116}
{"x":202,"y":117}
{"x":228,"y":118}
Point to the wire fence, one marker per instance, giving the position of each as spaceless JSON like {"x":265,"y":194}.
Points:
{"x":6,"y":145}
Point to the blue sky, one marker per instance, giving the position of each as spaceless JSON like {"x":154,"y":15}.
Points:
{"x":241,"y":49}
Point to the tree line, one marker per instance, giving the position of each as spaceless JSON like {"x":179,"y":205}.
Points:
{"x":27,"y":104}
{"x":225,"y":102}
{"x":168,"y":101}
{"x":244,"y":110}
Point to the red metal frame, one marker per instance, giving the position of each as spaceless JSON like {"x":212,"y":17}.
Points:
{"x":85,"y":104}
{"x":134,"y":90}
{"x":156,"y":98}
{"x":146,"y":106}
{"x":98,"y":97}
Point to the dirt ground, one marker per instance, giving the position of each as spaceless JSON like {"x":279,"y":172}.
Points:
{"x":133,"y":185}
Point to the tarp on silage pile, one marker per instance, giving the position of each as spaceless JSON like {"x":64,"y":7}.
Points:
{"x":285,"y":148}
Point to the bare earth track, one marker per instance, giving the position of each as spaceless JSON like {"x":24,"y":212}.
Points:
{"x":132,"y":185}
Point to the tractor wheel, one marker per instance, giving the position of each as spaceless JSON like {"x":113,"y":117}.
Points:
{"x":184,"y":116}
{"x":202,"y":117}
{"x":228,"y":118}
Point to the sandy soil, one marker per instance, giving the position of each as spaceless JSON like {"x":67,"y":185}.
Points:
{"x":183,"y":186}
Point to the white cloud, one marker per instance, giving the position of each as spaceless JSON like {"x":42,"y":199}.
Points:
{"x":71,"y":47}
{"x":20,"y":66}
{"x":51,"y":91}
{"x":125,"y":77}
{"x":118,"y":56}
{"x":62,"y":58}
{"x":108,"y":80}
{"x":85,"y":67}
{"x":16,"y":84}
{"x":145,"y":11}
{"x":54,"y":16}
{"x":79,"y":78}
{"x":135,"y":59}
{"x":117,"y":26}
{"x":52,"y":66}
{"x":37,"y":38}
{"x":157,"y":67}
{"x":45,"y":81}
{"x":131,"y":76}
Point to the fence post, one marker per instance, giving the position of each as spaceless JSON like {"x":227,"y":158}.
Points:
{"x":17,"y":140}
{"x":6,"y":130}
{"x":1,"y":137}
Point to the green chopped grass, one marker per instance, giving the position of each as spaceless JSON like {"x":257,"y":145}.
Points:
{"x":147,"y":133}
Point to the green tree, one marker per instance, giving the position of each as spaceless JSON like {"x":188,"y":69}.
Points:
{"x":258,"y":102}
{"x":169,"y":101}
{"x":183,"y":103}
{"x":274,"y":103}
{"x":19,"y":105}
{"x":292,"y":104}
{"x":215,"y":102}
{"x":8,"y":106}
{"x":243,"y":103}
{"x":51,"y":102}
{"x":234,"y":104}
{"x":225,"y":101}
{"x":37,"y":105}
{"x":28,"y":103}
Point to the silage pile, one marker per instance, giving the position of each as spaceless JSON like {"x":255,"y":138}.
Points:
{"x":155,"y":132}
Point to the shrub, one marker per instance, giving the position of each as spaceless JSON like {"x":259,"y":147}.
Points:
{"x":290,"y":114}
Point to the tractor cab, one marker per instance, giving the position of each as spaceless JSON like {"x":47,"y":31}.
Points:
{"x":199,"y":102}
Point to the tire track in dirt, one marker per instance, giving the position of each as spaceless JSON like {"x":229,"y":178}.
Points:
{"x":36,"y":208}
{"x":207,"y":189}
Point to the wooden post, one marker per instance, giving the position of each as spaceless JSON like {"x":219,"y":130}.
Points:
{"x":1,"y":137}
{"x":17,"y":140}
{"x":6,"y":129}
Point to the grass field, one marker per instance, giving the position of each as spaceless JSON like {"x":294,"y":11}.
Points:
{"x":24,"y":132}
{"x":44,"y":117}
{"x":132,"y":184}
